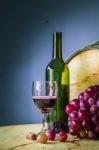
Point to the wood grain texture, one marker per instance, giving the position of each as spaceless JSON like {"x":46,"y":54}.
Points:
{"x":84,"y":69}
{"x":14,"y":138}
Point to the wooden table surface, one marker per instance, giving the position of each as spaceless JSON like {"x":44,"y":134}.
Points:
{"x":14,"y":138}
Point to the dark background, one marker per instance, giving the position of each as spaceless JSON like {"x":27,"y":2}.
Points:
{"x":26,"y":28}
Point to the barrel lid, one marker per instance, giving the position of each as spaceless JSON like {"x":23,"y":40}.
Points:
{"x":84,"y":69}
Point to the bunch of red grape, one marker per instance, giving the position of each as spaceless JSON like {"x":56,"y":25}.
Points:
{"x":83,"y":114}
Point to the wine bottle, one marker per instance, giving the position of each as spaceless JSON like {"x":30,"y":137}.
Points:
{"x":58,"y":71}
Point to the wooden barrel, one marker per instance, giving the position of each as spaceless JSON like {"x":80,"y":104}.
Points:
{"x":84,"y":69}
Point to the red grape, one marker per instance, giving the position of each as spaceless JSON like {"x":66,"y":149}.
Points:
{"x":62,"y":136}
{"x":69,"y":123}
{"x":73,"y":114}
{"x":50,"y":134}
{"x":84,"y":104}
{"x":75,"y":124}
{"x":96,"y":87}
{"x":96,"y":95}
{"x":87,"y":124}
{"x":98,"y":112}
{"x":91,"y":134}
{"x":91,"y":90}
{"x":82,"y":114}
{"x":95,"y":118}
{"x":73,"y":131}
{"x":93,"y":108}
{"x":91,"y":101}
{"x":97,"y":129}
{"x":97,"y":103}
{"x":76,"y":103}
{"x":70,"y":108}
{"x":86,"y":95}
{"x":81,"y":97}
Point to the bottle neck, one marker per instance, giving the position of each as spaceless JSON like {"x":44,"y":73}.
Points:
{"x":57,"y":45}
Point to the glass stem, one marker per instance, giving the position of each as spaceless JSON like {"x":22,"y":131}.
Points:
{"x":44,"y":124}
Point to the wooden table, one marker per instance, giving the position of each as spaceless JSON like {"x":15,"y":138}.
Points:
{"x":14,"y":138}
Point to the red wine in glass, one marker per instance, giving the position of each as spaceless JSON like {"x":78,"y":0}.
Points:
{"x":44,"y":103}
{"x":44,"y":95}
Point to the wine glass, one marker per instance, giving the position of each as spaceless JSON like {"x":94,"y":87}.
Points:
{"x":44,"y":95}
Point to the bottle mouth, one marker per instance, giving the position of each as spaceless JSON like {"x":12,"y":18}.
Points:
{"x":57,"y":34}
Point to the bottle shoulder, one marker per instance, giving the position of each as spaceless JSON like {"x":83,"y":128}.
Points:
{"x":55,"y":63}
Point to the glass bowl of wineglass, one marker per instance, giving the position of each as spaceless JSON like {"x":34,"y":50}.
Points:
{"x":44,"y":95}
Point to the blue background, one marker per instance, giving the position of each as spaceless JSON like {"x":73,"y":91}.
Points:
{"x":26,"y":28}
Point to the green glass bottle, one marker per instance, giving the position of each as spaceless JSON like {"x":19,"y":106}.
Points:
{"x":58,"y":71}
